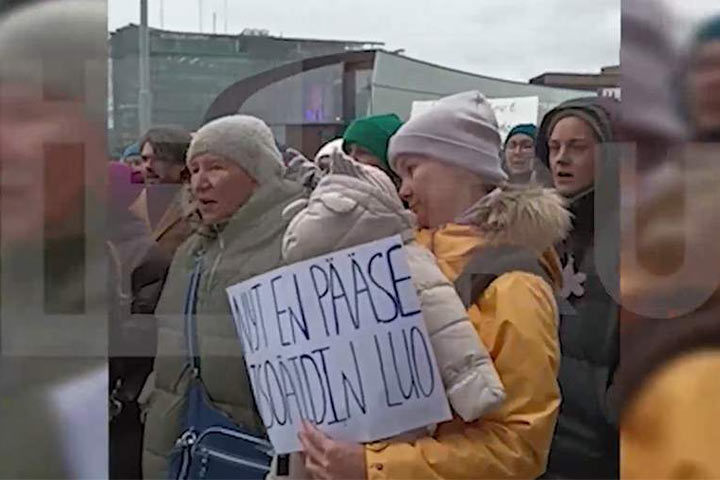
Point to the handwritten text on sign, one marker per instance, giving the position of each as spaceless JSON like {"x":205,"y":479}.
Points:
{"x":339,"y":340}
{"x":514,"y":111}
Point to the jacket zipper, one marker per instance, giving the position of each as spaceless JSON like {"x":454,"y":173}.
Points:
{"x":208,"y":452}
{"x":262,"y":445}
{"x":216,"y":261}
{"x":191,"y":327}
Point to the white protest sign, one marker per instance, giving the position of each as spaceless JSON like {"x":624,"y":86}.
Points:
{"x":419,"y":107}
{"x":514,"y":111}
{"x":339,"y":340}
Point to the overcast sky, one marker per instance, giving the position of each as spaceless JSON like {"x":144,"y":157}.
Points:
{"x":514,"y":40}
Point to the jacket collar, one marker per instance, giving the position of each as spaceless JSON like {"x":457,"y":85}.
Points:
{"x":178,"y":210}
{"x":531,"y":217}
{"x":582,"y":208}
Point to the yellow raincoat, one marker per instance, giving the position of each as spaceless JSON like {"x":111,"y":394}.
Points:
{"x":672,"y":427}
{"x":516,"y":318}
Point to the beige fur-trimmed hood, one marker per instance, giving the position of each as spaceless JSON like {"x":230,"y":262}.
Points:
{"x":531,"y":217}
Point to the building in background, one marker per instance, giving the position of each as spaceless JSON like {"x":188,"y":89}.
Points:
{"x":188,"y":70}
{"x":605,"y":83}
{"x":360,"y":83}
{"x":306,"y":90}
{"x":6,"y":5}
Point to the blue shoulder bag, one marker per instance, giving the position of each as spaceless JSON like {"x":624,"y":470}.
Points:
{"x":212,"y":446}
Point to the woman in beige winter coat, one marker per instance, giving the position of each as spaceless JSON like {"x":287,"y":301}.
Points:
{"x":237,"y":179}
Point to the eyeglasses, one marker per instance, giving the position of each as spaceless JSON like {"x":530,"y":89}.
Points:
{"x":523,"y":147}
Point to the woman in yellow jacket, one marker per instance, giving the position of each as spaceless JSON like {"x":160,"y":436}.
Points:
{"x":448,"y":159}
{"x":670,"y":427}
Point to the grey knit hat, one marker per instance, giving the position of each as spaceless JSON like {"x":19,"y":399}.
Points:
{"x":461,"y":130}
{"x":246,"y":140}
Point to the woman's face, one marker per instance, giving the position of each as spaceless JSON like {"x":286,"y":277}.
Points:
{"x":520,"y":154}
{"x":435,"y":191}
{"x":135,"y":162}
{"x":364,"y":156}
{"x":219,"y":186}
{"x":158,"y":170}
{"x":573,"y":148}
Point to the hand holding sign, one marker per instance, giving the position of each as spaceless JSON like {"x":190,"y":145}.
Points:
{"x":326,"y":458}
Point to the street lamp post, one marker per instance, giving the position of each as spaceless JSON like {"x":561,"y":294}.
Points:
{"x":144,"y":95}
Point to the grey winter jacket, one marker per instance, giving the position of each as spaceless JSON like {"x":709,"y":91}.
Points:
{"x":248,"y":245}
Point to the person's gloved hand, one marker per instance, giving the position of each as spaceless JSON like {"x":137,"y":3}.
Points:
{"x":300,"y":169}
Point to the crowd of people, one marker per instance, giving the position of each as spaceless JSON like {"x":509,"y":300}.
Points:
{"x":507,"y":243}
{"x":523,"y":208}
{"x":220,"y":201}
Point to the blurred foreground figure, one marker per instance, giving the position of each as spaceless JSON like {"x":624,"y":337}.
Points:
{"x":53,"y":374}
{"x":670,"y":352}
{"x":703,"y":82}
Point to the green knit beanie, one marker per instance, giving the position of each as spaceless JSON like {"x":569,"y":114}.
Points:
{"x":373,"y":134}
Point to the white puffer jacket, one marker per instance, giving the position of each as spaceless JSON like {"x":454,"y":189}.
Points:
{"x":357,"y":204}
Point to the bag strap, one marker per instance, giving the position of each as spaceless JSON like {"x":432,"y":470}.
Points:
{"x":190,"y":310}
{"x":492,"y":262}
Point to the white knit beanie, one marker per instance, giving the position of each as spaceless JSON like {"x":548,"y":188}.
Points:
{"x":461,"y":130}
{"x":246,"y":140}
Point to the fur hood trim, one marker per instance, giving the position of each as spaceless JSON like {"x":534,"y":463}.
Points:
{"x":531,"y":217}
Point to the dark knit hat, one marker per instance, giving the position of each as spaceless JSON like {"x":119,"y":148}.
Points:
{"x":709,"y":31}
{"x":373,"y":134}
{"x":524,"y":128}
{"x":600,"y":113}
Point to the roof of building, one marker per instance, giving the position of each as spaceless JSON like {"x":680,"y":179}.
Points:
{"x":610,"y":71}
{"x":246,"y":34}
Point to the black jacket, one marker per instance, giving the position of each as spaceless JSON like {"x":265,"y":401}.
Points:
{"x":586,"y":443}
